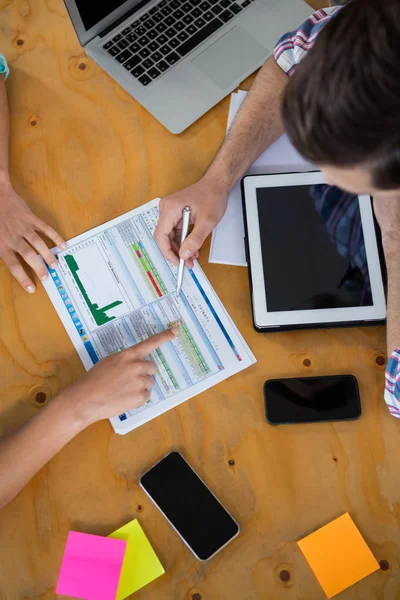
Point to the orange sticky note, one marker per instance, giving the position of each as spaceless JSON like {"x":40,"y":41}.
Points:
{"x":338,"y":555}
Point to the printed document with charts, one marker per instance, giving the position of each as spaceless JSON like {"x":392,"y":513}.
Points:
{"x":113,"y":288}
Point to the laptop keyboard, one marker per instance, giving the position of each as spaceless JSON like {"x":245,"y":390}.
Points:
{"x":163,"y":36}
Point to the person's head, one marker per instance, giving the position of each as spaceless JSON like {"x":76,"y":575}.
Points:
{"x":341,"y":108}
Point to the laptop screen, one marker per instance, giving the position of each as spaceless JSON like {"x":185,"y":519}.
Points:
{"x":92,"y":13}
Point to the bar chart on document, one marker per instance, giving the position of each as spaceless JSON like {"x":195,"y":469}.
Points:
{"x":113,"y":288}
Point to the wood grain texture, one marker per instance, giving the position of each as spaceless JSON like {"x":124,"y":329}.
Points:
{"x":82,"y":152}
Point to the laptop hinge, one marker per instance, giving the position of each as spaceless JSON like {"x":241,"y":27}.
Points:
{"x":130,"y":12}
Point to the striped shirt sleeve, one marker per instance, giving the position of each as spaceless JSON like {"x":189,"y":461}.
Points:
{"x":292,"y":47}
{"x":4,"y":70}
{"x":392,"y":388}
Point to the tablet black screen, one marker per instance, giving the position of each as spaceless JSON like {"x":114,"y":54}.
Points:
{"x":313,"y":248}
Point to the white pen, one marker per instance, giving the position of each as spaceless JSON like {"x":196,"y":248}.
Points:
{"x":185,"y":229}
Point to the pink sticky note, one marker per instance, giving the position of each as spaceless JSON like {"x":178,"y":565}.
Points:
{"x":91,"y":567}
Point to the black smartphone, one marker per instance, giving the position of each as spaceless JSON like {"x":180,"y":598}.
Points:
{"x":189,"y":506}
{"x":312,"y":399}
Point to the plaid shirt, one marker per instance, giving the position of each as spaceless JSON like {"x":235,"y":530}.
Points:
{"x":289,"y":51}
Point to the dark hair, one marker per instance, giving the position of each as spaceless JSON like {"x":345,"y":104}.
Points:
{"x":342,"y":105}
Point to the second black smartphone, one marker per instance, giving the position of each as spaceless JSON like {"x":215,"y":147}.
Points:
{"x":189,"y":505}
{"x":312,"y":399}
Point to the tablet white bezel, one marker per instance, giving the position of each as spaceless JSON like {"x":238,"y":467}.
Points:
{"x":265,"y":319}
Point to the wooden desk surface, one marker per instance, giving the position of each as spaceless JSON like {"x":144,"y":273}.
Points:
{"x":82,"y":152}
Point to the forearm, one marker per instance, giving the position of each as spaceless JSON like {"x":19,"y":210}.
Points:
{"x":391,"y":246}
{"x":257,"y":125}
{"x":25,"y":452}
{"x":4,"y":133}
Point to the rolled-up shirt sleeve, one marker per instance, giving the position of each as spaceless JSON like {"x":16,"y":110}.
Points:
{"x":392,"y":387}
{"x":4,"y":70}
{"x":294,"y":45}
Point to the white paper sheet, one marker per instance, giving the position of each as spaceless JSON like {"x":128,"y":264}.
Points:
{"x":113,"y":288}
{"x":227,"y":242}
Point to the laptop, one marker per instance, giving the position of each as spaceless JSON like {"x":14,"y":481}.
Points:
{"x":178,"y":58}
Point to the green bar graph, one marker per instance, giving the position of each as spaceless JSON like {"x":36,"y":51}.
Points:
{"x":99,"y":314}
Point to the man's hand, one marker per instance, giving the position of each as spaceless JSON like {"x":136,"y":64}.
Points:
{"x":257,"y":125}
{"x":117,"y":383}
{"x":19,"y":229}
{"x":207,"y":201}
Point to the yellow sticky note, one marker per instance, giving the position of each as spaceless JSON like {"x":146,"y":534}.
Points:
{"x":141,"y":564}
{"x":338,"y":555}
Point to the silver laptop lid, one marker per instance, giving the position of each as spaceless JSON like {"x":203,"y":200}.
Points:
{"x":91,"y":18}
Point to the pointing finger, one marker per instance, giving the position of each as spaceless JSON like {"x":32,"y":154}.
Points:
{"x":144,"y":348}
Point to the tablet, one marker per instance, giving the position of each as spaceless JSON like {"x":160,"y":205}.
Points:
{"x":312,"y":253}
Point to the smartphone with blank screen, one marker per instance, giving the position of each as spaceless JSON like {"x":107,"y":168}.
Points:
{"x":189,"y":505}
{"x":312,"y":399}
